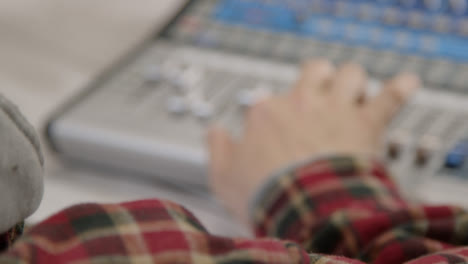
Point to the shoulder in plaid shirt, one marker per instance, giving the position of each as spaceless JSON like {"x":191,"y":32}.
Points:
{"x":334,"y":210}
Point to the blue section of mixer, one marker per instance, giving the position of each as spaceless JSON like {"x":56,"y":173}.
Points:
{"x":432,"y":28}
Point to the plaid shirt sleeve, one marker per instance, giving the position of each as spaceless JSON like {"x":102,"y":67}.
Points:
{"x":351,"y":207}
{"x":335,"y":210}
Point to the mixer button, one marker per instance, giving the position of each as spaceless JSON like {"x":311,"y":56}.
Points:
{"x":392,"y":16}
{"x":176,"y":82}
{"x":245,"y":98}
{"x":172,"y":74}
{"x":463,"y":27}
{"x":455,"y":158}
{"x":397,"y":141}
{"x":434,"y":5}
{"x":342,"y":9}
{"x":152,"y":74}
{"x":176,"y":105}
{"x":416,"y":20}
{"x":367,"y":12}
{"x":442,"y":24}
{"x":188,"y":78}
{"x":203,"y":110}
{"x":425,"y":150}
{"x":458,"y":7}
{"x":387,"y":2}
{"x":192,"y":75}
{"x":408,"y":3}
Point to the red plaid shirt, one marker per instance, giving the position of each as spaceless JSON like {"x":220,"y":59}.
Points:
{"x":336,"y":210}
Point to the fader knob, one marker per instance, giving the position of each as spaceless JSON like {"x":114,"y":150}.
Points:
{"x":176,"y":105}
{"x":396,"y":144}
{"x":425,"y":149}
{"x":422,"y":157}
{"x":203,"y":110}
{"x":394,"y":150}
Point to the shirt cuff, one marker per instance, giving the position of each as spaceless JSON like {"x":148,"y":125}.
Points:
{"x":320,"y":186}
{"x":272,"y":181}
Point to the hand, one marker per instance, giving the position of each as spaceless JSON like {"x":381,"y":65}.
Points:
{"x":326,"y":112}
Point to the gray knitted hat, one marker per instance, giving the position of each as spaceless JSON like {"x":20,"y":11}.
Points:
{"x":21,"y":167}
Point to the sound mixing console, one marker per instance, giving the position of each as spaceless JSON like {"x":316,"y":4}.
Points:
{"x":217,"y":57}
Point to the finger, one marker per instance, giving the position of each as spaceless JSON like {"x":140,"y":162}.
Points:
{"x":283,"y":121}
{"x":314,"y":76}
{"x":265,"y":123}
{"x":221,"y":148}
{"x":394,"y":94}
{"x":349,"y":83}
{"x":260,"y":119}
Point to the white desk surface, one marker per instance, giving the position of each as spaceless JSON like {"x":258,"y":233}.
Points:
{"x":49,"y":50}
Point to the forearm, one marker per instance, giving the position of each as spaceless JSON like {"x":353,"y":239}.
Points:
{"x":150,"y":231}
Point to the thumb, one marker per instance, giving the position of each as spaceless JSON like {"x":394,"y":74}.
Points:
{"x":221,"y":148}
